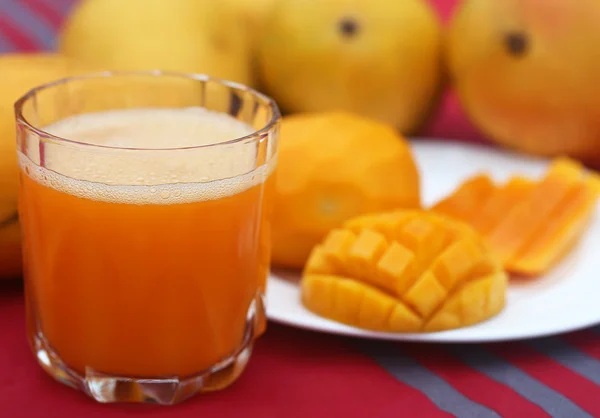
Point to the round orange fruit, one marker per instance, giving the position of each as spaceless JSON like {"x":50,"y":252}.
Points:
{"x":334,"y":166}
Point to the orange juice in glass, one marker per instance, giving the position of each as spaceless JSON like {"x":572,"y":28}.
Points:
{"x":144,"y":206}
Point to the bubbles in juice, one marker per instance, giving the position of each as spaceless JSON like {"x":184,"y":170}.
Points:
{"x":148,"y":156}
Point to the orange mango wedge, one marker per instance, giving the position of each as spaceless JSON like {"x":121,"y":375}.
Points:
{"x":530,"y":225}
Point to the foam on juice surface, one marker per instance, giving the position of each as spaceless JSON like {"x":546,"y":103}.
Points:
{"x":183,"y":173}
{"x":151,"y":128}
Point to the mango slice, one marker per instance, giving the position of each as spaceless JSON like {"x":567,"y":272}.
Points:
{"x":465,"y":201}
{"x":410,"y":271}
{"x":500,"y":202}
{"x":529,"y":214}
{"x":529,"y":225}
{"x":560,"y":232}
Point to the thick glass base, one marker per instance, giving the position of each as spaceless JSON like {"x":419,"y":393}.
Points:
{"x":167,"y":391}
{"x":161,"y":390}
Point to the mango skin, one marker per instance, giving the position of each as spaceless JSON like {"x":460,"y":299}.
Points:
{"x":527,"y":75}
{"x":334,"y":166}
{"x":381,"y":59}
{"x":190,"y":36}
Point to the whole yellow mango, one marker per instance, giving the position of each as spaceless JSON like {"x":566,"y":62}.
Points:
{"x":18,"y":74}
{"x":378,"y":58}
{"x":528,"y":75}
{"x":251,"y":14}
{"x":193,"y":36}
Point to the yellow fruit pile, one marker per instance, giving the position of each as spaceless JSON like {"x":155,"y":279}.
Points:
{"x":310,"y":55}
{"x":524,"y":71}
{"x":406,"y":271}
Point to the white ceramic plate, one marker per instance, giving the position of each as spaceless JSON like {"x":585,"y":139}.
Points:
{"x":564,"y":300}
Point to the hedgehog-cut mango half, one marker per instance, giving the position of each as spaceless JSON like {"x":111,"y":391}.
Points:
{"x":529,"y":224}
{"x":404,"y":271}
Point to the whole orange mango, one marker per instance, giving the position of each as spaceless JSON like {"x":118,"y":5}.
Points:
{"x":528,"y":74}
{"x":334,"y":166}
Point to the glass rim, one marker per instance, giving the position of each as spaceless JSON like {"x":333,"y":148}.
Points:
{"x":259,"y":133}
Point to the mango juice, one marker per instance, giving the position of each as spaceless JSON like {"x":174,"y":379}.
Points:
{"x":147,"y":268}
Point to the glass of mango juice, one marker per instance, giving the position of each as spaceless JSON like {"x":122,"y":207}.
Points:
{"x":145,"y":203}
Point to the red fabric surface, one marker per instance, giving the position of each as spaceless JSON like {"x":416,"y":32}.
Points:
{"x":581,"y":341}
{"x":45,"y":11}
{"x":295,"y":373}
{"x":18,"y":35}
{"x":553,"y":375}
{"x":449,"y":119}
{"x":474,"y":384}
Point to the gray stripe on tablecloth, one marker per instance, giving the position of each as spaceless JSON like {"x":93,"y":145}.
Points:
{"x":6,"y":45}
{"x":596,"y":329}
{"x":553,"y":402}
{"x":24,"y":18}
{"x":62,"y":7}
{"x":408,"y":371}
{"x":569,"y":357}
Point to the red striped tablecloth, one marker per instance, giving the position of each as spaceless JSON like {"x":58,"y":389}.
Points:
{"x":296,"y":373}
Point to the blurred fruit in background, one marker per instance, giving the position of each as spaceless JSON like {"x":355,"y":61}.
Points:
{"x":199,"y":36}
{"x":251,"y":13}
{"x":381,"y":58}
{"x":528,"y":75}
{"x":18,"y":74}
{"x":334,"y":166}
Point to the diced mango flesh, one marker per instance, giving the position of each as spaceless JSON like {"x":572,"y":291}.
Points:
{"x":364,"y":253}
{"x":426,"y":294}
{"x":318,"y":263}
{"x":354,"y":303}
{"x":386,"y":223}
{"x":398,"y":274}
{"x":454,"y":264}
{"x":473,"y":302}
{"x":395,"y":269}
{"x":336,"y":246}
